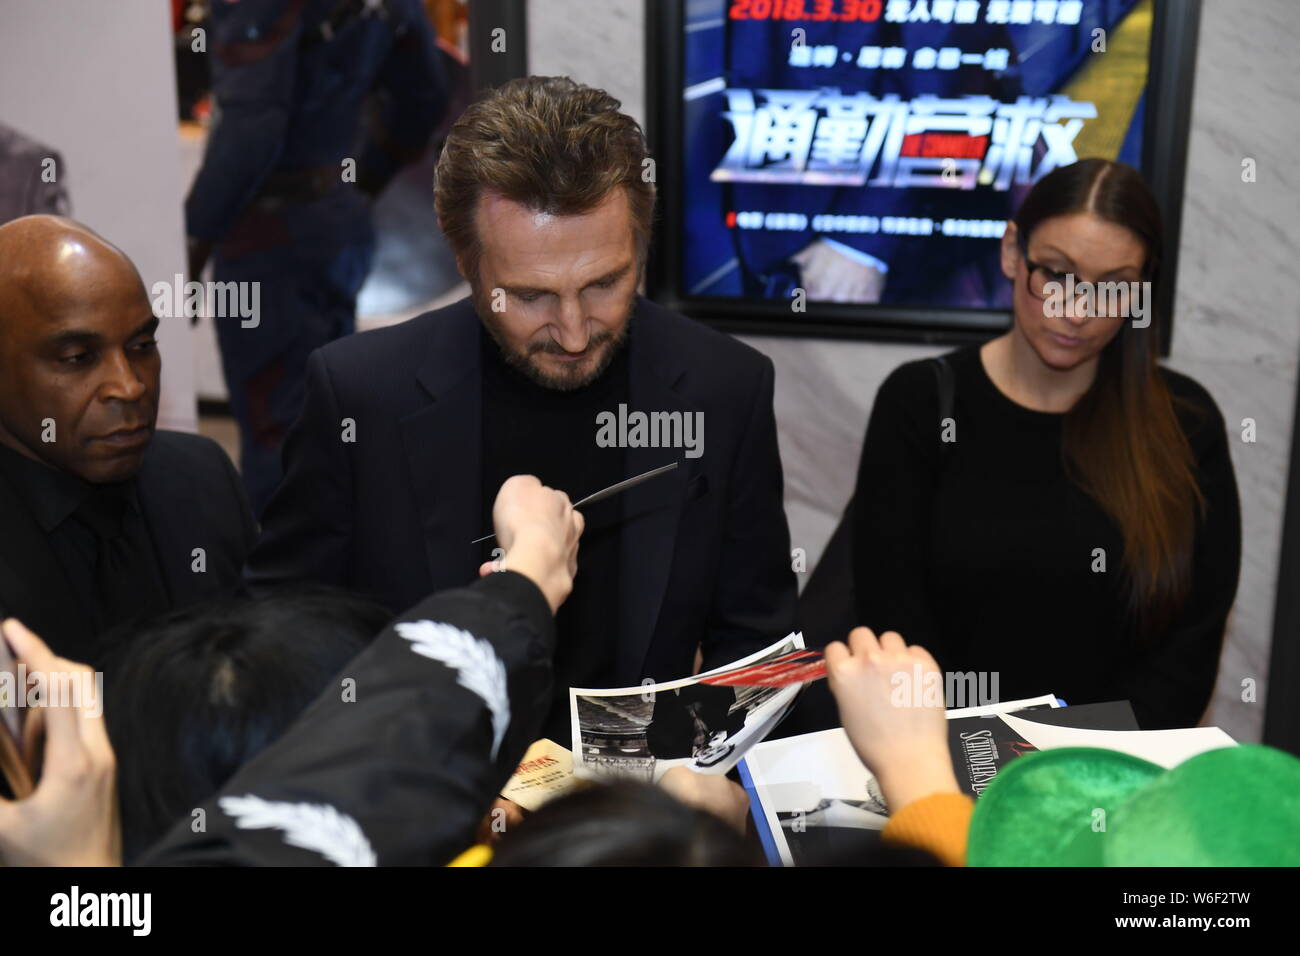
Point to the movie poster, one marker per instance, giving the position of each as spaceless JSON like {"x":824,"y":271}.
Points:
{"x":871,"y":151}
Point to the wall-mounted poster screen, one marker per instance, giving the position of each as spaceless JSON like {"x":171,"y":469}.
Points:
{"x":863,"y":156}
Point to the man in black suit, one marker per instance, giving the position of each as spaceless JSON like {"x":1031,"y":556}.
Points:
{"x":407,"y":432}
{"x":105,"y":519}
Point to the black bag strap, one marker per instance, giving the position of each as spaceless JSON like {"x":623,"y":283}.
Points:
{"x":943,"y":371}
{"x":827,"y":607}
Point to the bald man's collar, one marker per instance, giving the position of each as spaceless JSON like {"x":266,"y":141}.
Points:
{"x":50,"y":494}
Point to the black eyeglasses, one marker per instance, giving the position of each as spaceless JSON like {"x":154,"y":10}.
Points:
{"x":1039,"y":276}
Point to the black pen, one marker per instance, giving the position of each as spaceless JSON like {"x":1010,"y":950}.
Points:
{"x":607,"y":492}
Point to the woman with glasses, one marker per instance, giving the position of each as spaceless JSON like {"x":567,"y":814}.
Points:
{"x":1056,"y":510}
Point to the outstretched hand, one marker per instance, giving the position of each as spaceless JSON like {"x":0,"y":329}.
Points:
{"x":71,"y":819}
{"x":898,"y":730}
{"x":539,"y":530}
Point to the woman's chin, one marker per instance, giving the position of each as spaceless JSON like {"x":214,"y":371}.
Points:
{"x":1061,"y":354}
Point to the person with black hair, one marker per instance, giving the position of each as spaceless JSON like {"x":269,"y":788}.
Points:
{"x":626,"y":824}
{"x":197,"y":693}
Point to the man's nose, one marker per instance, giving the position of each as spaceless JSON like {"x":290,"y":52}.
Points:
{"x":570,"y":327}
{"x":121,"y":382}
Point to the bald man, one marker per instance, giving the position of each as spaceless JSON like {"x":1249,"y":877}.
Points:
{"x":105,"y":520}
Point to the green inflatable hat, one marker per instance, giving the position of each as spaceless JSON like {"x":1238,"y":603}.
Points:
{"x":1081,"y":806}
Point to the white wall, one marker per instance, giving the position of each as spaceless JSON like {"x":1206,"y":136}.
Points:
{"x":96,"y":81}
{"x":1238,"y":318}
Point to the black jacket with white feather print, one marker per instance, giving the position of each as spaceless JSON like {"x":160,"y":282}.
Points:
{"x":398,"y":762}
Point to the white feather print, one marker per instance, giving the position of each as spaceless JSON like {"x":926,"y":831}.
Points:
{"x":476,"y":664}
{"x":312,"y":826}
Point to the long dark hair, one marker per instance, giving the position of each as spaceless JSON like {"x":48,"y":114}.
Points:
{"x":1122,"y":441}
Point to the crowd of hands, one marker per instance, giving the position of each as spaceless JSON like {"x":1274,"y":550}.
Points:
{"x":71,"y":817}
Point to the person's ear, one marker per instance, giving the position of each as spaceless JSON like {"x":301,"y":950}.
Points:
{"x":1010,"y":251}
{"x":460,"y":265}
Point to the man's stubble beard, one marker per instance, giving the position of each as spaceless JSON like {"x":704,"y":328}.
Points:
{"x":608,"y":343}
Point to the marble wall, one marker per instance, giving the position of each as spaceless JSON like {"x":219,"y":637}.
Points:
{"x":1237,"y":302}
{"x":1238,"y":298}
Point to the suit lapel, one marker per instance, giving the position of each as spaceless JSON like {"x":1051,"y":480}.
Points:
{"x":651,"y":510}
{"x":33,"y":585}
{"x":443,"y":443}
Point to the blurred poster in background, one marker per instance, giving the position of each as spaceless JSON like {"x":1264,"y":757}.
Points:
{"x":413,"y":268}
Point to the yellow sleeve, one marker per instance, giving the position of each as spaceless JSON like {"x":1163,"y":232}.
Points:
{"x":937,"y":823}
{"x":478,"y":855}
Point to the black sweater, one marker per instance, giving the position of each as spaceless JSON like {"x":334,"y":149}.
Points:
{"x":983,"y":551}
{"x":531,"y":430}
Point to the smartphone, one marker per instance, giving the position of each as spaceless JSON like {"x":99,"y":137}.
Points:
{"x":13,"y":766}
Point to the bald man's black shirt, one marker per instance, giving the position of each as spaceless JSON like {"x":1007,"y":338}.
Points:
{"x":80,"y":561}
{"x":62,"y":505}
{"x":532,"y":430}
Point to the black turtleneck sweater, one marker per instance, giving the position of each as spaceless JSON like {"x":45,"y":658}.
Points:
{"x":528,"y":429}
